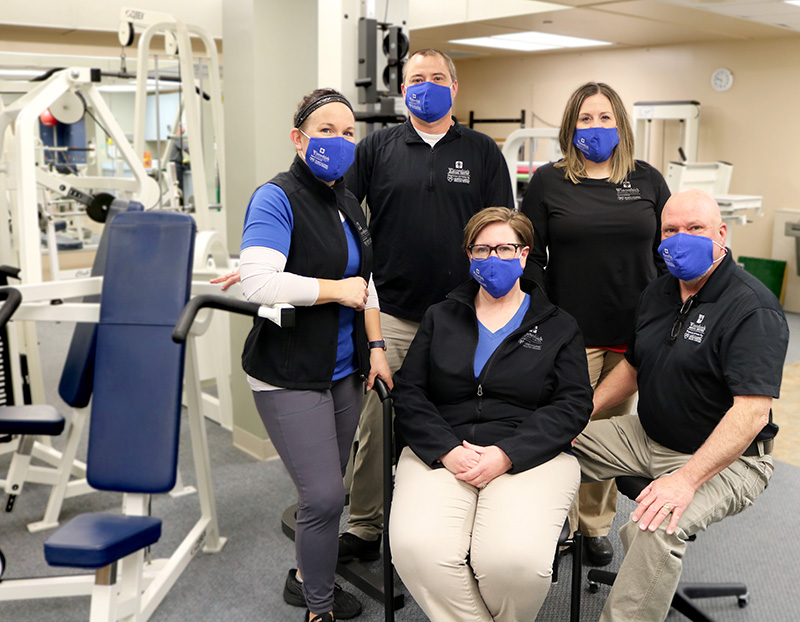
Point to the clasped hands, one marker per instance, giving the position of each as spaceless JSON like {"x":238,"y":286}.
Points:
{"x":476,"y":465}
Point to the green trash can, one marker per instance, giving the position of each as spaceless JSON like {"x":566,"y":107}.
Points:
{"x":770,"y":272}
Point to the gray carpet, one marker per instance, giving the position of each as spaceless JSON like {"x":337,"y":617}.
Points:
{"x":244,"y":582}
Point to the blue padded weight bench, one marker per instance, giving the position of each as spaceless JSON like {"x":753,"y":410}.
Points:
{"x":135,"y":418}
{"x":75,"y":388}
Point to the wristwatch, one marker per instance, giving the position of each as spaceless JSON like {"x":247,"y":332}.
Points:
{"x":377,"y":344}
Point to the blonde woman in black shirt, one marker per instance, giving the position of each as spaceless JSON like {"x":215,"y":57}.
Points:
{"x":596,"y":218}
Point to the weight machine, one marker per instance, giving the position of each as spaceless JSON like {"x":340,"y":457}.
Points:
{"x":139,"y":258}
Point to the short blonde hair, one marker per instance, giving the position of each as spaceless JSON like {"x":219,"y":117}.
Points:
{"x":622,"y":162}
{"x":518,"y":221}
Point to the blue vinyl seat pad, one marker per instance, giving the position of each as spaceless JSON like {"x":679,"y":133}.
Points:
{"x":38,"y":419}
{"x":97,"y":540}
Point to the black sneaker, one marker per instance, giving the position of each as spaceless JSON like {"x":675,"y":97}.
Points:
{"x":352,"y":547}
{"x":345,"y":605}
{"x":323,"y":617}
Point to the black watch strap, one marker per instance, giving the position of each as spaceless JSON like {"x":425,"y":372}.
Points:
{"x":377,"y":344}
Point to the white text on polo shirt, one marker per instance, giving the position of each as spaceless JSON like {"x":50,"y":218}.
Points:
{"x":696,"y":330}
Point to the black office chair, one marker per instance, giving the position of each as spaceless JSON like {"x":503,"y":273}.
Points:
{"x":631,"y":486}
{"x":565,"y":542}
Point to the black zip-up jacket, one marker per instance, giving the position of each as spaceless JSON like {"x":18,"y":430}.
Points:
{"x":532,"y":397}
{"x":420,"y":198}
{"x":304,"y":357}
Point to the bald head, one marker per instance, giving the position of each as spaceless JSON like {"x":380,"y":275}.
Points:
{"x":694,"y":212}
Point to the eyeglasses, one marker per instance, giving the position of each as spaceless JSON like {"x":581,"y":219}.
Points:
{"x":677,"y":325}
{"x":481,"y":252}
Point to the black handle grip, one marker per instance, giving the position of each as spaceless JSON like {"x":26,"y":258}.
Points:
{"x":383,"y":389}
{"x":8,"y":271}
{"x":12,"y":298}
{"x":223,"y":303}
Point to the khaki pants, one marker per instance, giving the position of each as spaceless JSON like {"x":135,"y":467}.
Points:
{"x":366,"y":490}
{"x":596,"y":504}
{"x":470,"y":555}
{"x":652,"y":566}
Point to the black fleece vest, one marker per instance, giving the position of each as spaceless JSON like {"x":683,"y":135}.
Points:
{"x":304,"y":357}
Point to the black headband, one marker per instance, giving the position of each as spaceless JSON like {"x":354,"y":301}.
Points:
{"x":306,"y":111}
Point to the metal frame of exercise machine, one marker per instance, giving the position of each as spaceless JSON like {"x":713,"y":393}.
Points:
{"x":157,"y":576}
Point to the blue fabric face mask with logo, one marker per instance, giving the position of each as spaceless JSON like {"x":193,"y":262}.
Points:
{"x":497,"y":276}
{"x":687,"y":256}
{"x":596,"y":143}
{"x":428,"y":101}
{"x":329,"y":158}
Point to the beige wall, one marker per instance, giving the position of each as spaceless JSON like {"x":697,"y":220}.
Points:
{"x":753,"y":125}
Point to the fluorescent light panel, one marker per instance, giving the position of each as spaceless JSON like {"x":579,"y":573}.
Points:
{"x":530,"y":41}
{"x":794,"y":2}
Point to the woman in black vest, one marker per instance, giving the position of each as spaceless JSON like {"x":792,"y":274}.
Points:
{"x":306,"y":243}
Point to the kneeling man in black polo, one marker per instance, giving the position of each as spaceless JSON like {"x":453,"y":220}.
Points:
{"x":707,"y":361}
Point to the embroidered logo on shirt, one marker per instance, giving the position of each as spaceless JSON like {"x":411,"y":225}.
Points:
{"x":457,"y":173}
{"x":696,"y":330}
{"x":531,"y":340}
{"x":627,"y":192}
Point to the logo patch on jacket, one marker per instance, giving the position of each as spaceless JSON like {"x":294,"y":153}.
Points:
{"x":457,"y":173}
{"x":531,"y":340}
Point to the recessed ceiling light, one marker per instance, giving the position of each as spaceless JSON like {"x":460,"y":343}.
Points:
{"x":503,"y":44}
{"x":530,"y":41}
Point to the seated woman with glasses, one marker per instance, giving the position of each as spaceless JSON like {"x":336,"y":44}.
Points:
{"x":491,"y":394}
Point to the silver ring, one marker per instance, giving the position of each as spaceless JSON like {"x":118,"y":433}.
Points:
{"x":482,"y":485}
{"x":667,"y":507}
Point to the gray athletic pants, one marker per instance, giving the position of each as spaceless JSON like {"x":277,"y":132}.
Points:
{"x":312,"y":432}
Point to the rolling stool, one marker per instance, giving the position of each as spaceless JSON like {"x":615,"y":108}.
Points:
{"x":631,"y":486}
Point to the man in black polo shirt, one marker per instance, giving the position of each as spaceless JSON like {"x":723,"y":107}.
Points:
{"x":707,"y":360}
{"x":422,"y":181}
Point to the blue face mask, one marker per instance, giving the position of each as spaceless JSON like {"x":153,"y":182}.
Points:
{"x":497,"y":276}
{"x":596,"y":143}
{"x":329,"y":158}
{"x":428,"y":101}
{"x":687,"y":256}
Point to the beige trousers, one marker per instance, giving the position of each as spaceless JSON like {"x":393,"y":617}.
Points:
{"x":653,"y":561}
{"x":366,"y":490}
{"x":469,"y":555}
{"x":596,"y":503}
